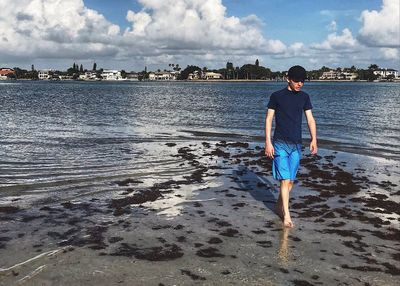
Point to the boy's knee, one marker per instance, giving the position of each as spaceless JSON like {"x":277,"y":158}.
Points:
{"x":286,"y":183}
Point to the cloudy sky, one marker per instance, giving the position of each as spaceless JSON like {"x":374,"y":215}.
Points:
{"x":131,"y":34}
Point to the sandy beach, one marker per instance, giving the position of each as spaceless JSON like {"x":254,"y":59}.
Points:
{"x":215,"y":224}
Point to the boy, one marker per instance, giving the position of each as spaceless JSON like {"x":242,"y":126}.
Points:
{"x":287,"y":105}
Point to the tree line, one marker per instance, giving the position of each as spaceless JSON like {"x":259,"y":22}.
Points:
{"x":229,"y":72}
{"x":362,"y":74}
{"x":257,"y":72}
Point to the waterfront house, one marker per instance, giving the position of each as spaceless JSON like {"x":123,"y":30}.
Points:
{"x":195,"y":75}
{"x":66,"y":77}
{"x":111,"y":75}
{"x":162,"y":76}
{"x":6,"y":73}
{"x":212,"y":75}
{"x":338,"y":75}
{"x":386,"y":73}
{"x":44,"y":74}
{"x":89,"y":75}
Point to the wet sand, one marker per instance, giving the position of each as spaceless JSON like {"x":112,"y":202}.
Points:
{"x":215,"y":225}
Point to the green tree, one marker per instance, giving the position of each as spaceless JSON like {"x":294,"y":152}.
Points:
{"x":367,"y":74}
{"x":314,"y":74}
{"x":94,"y":67}
{"x":70,"y":71}
{"x":257,"y":63}
{"x":373,"y":67}
{"x":325,"y":69}
{"x":229,"y":71}
{"x":143,"y":75}
{"x":34,"y":75}
{"x":177,"y":68}
{"x":371,"y":76}
{"x":81,"y":69}
{"x":189,"y":69}
{"x":20,"y":73}
{"x":250,"y":71}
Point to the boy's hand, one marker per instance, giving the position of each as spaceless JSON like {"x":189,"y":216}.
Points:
{"x":313,"y":147}
{"x":269,"y":150}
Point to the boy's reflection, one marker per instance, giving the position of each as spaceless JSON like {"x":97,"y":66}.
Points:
{"x":283,"y":252}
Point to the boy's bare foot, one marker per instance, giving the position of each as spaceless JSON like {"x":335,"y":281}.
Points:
{"x":287,"y":222}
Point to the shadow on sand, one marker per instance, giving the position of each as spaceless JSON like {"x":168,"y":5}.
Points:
{"x":261,"y":189}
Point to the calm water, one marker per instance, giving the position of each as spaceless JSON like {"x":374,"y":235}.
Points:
{"x":76,"y":133}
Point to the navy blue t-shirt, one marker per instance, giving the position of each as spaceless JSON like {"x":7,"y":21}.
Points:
{"x":289,"y":107}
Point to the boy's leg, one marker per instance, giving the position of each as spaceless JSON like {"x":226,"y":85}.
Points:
{"x":287,"y":185}
{"x":282,"y":170}
{"x":279,"y":204}
{"x":285,"y":188}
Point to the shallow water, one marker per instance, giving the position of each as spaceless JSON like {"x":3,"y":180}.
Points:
{"x":214,"y":224}
{"x":73,"y":136}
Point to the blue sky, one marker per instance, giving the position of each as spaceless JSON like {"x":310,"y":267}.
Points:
{"x":131,"y":34}
{"x":282,"y":18}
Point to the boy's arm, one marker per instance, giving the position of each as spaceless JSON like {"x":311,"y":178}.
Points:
{"x":313,"y":131}
{"x":269,"y":148}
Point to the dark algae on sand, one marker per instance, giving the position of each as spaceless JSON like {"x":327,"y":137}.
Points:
{"x":225,"y":231}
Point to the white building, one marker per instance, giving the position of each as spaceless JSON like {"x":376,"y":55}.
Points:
{"x":348,"y":75}
{"x":111,"y":75}
{"x":338,"y":75}
{"x":194,"y":75}
{"x":212,"y":75}
{"x":6,"y":72}
{"x":44,"y":74}
{"x":88,"y":76}
{"x":66,"y":77}
{"x":384,"y":73}
{"x":162,"y":76}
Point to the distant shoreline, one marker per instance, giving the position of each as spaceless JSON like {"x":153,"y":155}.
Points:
{"x":202,"y":81}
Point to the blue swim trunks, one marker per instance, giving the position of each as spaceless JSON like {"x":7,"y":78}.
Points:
{"x":286,"y":160}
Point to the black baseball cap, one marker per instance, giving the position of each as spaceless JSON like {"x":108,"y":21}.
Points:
{"x":297,"y":73}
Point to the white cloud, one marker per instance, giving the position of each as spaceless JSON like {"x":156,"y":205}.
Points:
{"x":67,"y":29}
{"x":381,"y":28}
{"x":54,"y":28}
{"x":295,"y":50}
{"x":198,"y":25}
{"x":141,"y":20}
{"x":332,"y":26}
{"x":390,"y":53}
{"x":181,"y":31}
{"x":337,"y":42}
